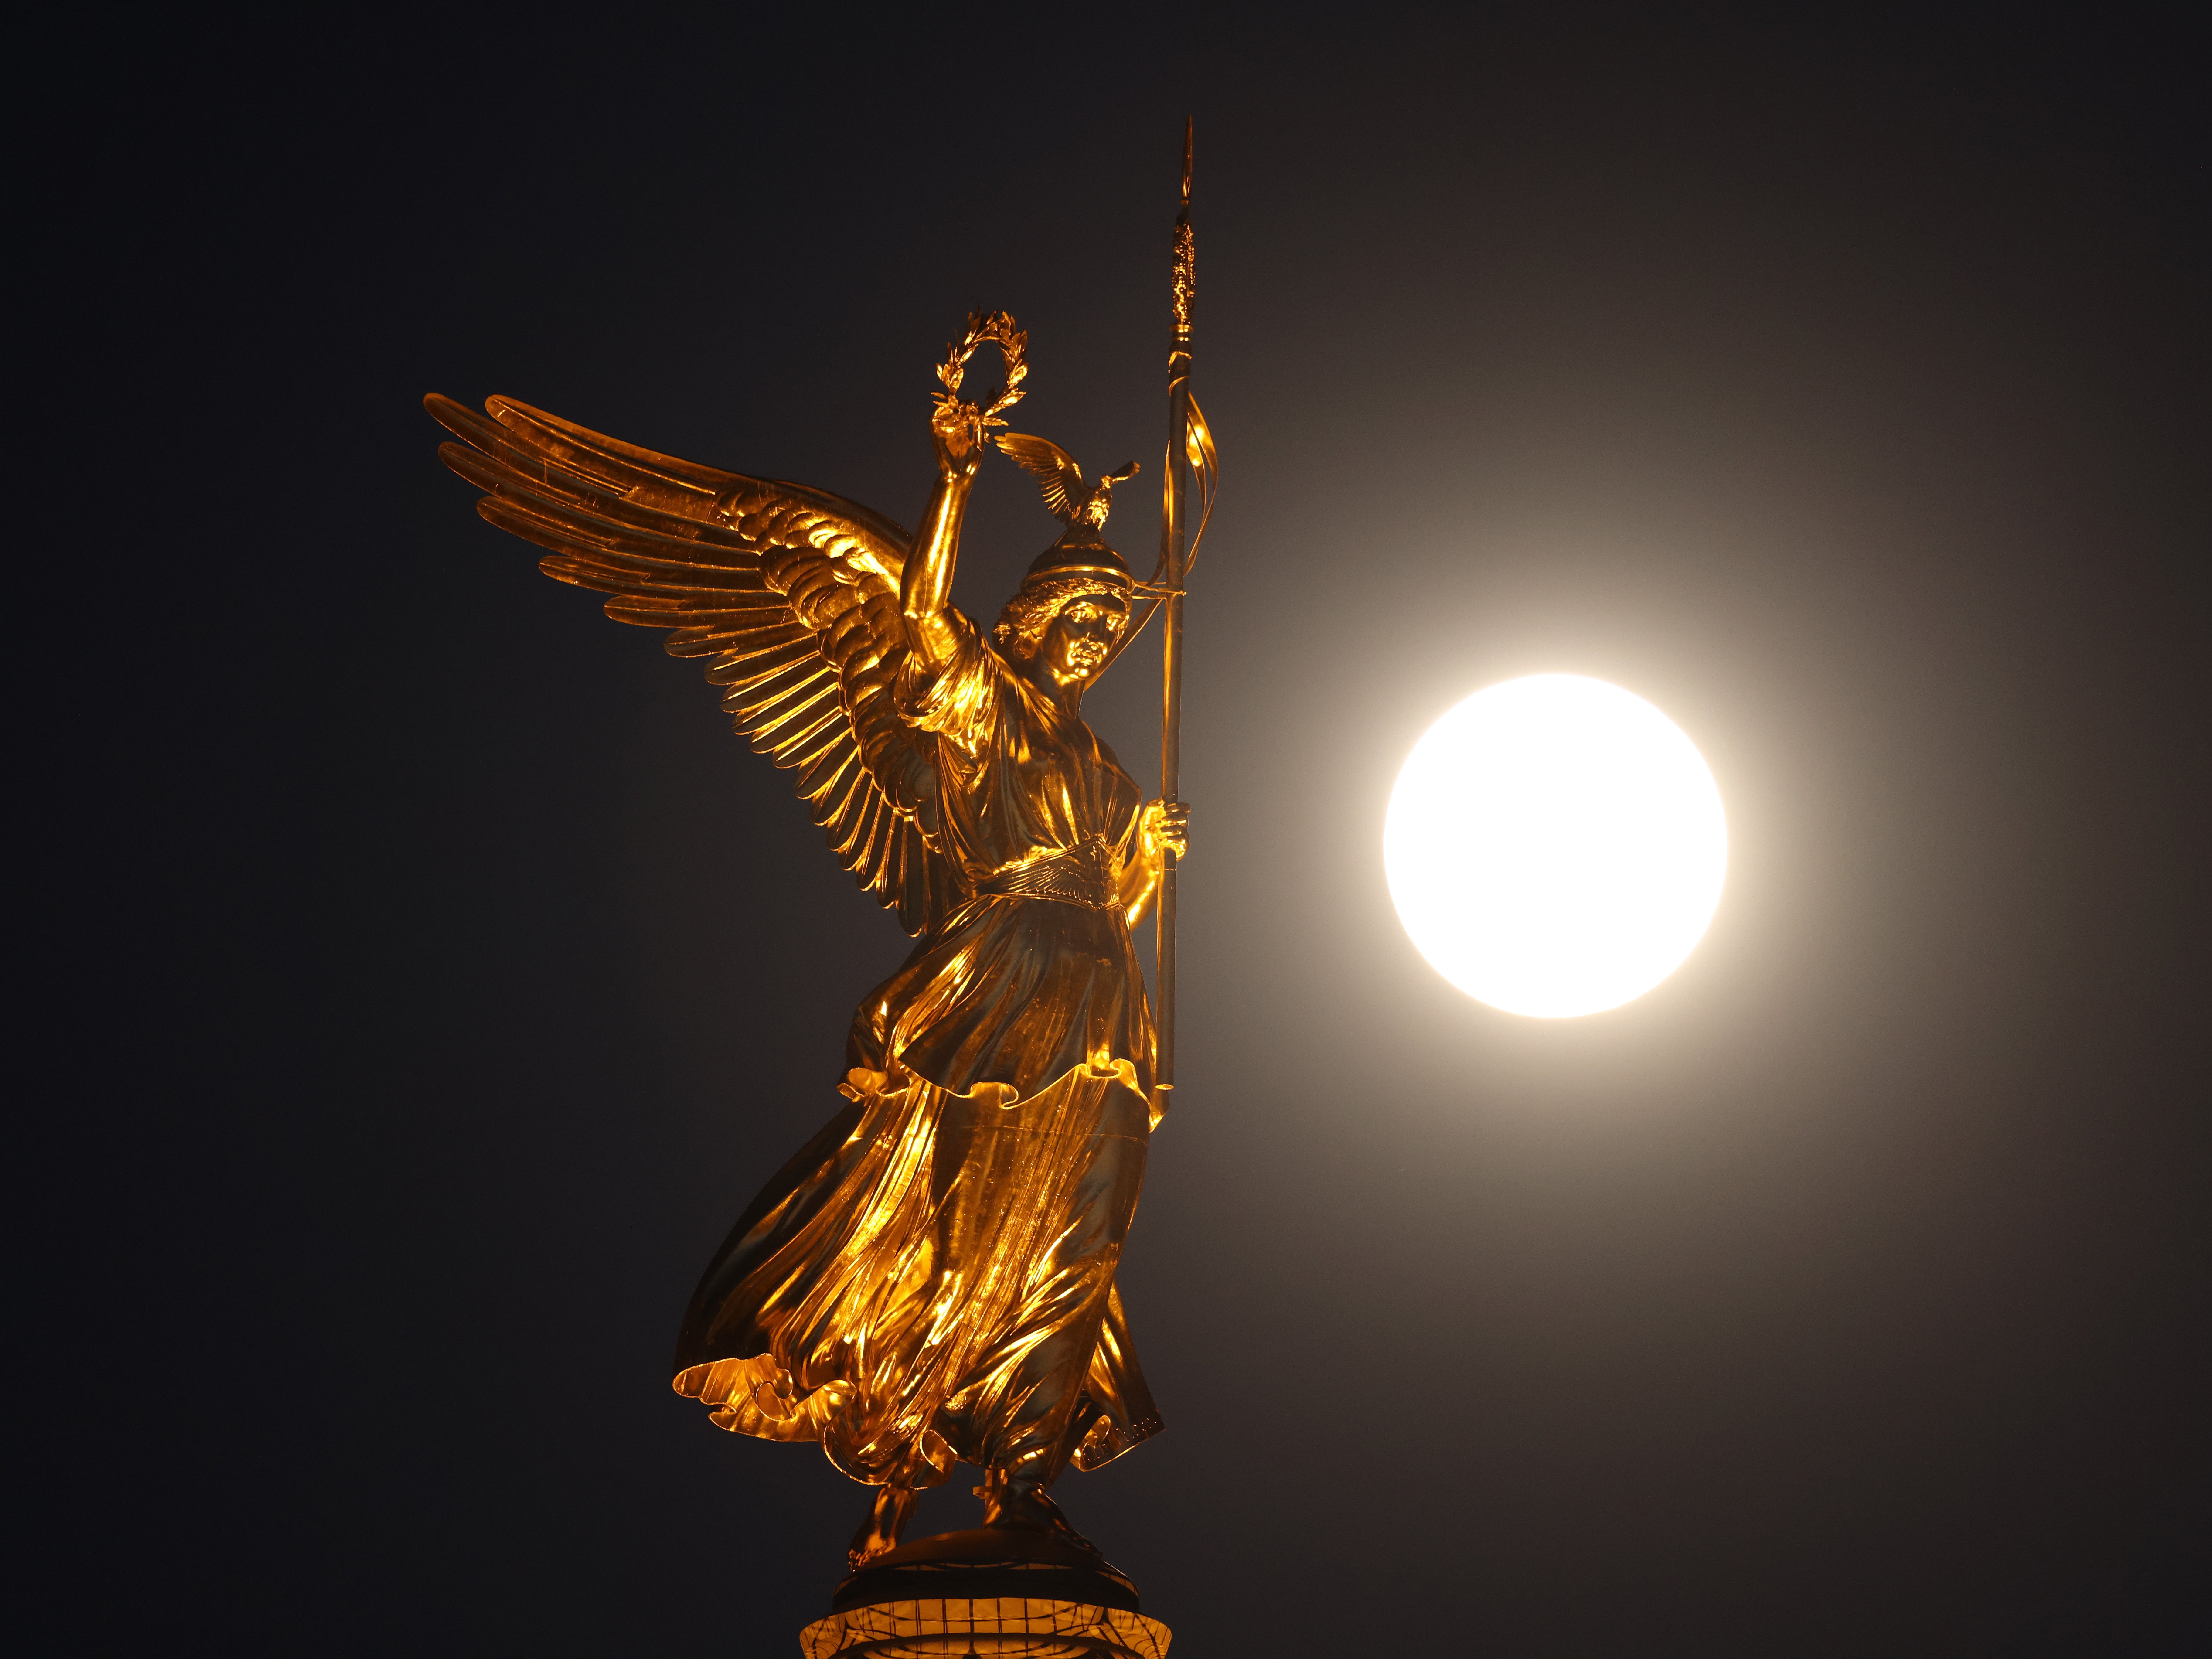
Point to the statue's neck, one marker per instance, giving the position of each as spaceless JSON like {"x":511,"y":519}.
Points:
{"x":1067,"y":695}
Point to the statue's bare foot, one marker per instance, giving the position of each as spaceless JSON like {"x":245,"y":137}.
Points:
{"x":1027,"y":1509}
{"x":879,"y":1532}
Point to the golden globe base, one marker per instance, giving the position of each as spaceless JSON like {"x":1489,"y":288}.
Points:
{"x":994,"y":1593}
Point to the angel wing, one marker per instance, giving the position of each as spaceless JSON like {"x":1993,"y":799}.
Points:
{"x":1058,"y":477}
{"x":791,"y":593}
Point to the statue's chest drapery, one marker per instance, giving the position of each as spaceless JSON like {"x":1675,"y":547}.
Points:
{"x":1043,"y":785}
{"x":1020,"y":778}
{"x":1013,"y":993}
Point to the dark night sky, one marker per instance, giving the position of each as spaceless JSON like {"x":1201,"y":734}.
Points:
{"x":451,"y":978}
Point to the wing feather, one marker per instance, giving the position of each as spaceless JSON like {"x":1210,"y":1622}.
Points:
{"x":843,"y":797}
{"x":890,"y":867}
{"x":793,"y":743}
{"x":844,"y":825}
{"x":1060,"y":480}
{"x":792,"y":714}
{"x":767,"y":699}
{"x":742,"y":667}
{"x":802,"y":751}
{"x":877,"y":851}
{"x":789,"y":593}
{"x":854,"y":829}
{"x":820,"y":775}
{"x":711,"y":641}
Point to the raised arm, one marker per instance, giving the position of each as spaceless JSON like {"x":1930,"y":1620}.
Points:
{"x":926,"y":589}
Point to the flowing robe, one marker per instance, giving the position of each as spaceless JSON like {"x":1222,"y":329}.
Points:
{"x":930,"y":1278}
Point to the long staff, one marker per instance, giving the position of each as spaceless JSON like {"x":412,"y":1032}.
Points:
{"x":1187,"y":438}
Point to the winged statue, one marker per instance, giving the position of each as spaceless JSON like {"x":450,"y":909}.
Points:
{"x":931,"y":1279}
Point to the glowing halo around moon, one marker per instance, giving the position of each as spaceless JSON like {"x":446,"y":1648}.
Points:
{"x":1555,"y":846}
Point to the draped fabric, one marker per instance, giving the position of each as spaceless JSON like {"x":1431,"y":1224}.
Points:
{"x":932,"y":1278}
{"x":1012,"y":994}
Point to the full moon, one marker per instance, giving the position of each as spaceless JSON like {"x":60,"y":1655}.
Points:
{"x":1555,"y":846}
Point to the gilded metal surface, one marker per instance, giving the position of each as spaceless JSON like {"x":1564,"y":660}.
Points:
{"x":1183,"y":294}
{"x":1186,"y":430}
{"x":932,"y":1278}
{"x":1003,"y":1627}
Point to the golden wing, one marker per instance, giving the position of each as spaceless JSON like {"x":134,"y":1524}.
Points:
{"x":1059,"y":479}
{"x":791,"y":593}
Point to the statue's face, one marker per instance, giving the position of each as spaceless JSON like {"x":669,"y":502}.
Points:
{"x":1081,"y":637}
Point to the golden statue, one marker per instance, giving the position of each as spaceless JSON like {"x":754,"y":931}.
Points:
{"x":930,"y":1278}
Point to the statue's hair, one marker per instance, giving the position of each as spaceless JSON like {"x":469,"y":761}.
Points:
{"x":1022,"y":624}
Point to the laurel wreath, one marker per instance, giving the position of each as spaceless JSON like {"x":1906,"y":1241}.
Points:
{"x":996,"y":328}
